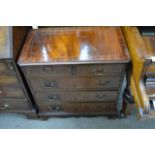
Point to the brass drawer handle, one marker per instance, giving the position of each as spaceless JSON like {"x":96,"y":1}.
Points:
{"x":102,"y":83}
{"x":50,"y":84}
{"x":1,"y":92}
{"x":47,"y":69}
{"x":100,"y":97}
{"x":53,"y":97}
{"x":4,"y":107}
{"x":95,"y":70}
{"x":56,"y":108}
{"x":10,"y":65}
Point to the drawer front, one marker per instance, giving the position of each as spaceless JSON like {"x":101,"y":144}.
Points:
{"x":13,"y":105}
{"x":11,"y":92}
{"x":9,"y":79}
{"x":80,"y":70}
{"x":100,"y":69}
{"x":51,"y":83}
{"x":48,"y":70}
{"x":105,"y":108}
{"x":83,"y":96}
{"x":6,"y":67}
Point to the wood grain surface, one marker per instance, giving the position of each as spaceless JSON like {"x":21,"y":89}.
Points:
{"x":74,"y":45}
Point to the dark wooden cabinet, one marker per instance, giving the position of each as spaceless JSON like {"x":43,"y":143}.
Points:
{"x":14,"y":96}
{"x":75,"y":70}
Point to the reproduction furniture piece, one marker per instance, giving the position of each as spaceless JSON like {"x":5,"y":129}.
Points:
{"x":75,"y":70}
{"x":13,"y":93}
{"x":142,"y":77}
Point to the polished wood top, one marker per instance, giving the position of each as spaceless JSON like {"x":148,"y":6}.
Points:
{"x":74,"y":45}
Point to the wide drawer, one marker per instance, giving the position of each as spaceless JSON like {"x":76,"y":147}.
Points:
{"x":79,"y":70}
{"x":6,"y":67}
{"x":11,"y":92}
{"x":79,"y":108}
{"x":52,"y":83}
{"x":14,"y":105}
{"x":8,"y":79}
{"x":82,"y":96}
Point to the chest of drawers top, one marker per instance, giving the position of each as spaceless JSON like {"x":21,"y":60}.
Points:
{"x":74,"y":45}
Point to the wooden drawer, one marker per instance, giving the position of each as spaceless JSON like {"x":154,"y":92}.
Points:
{"x":79,"y":70}
{"x":100,"y":69}
{"x":52,"y":83}
{"x":9,"y":79}
{"x":14,"y":105}
{"x":82,"y":96}
{"x":11,"y":92}
{"x":6,"y":67}
{"x":49,"y":70}
{"x":79,"y":108}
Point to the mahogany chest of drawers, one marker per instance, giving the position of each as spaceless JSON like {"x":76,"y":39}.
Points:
{"x":13,"y":93}
{"x":75,"y":71}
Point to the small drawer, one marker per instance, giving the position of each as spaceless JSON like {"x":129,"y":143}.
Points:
{"x":6,"y":67}
{"x":11,"y":105}
{"x":48,"y":70}
{"x":103,"y":108}
{"x":82,"y":96}
{"x":51,"y":83}
{"x":101,"y":69}
{"x":11,"y":92}
{"x":7,"y":79}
